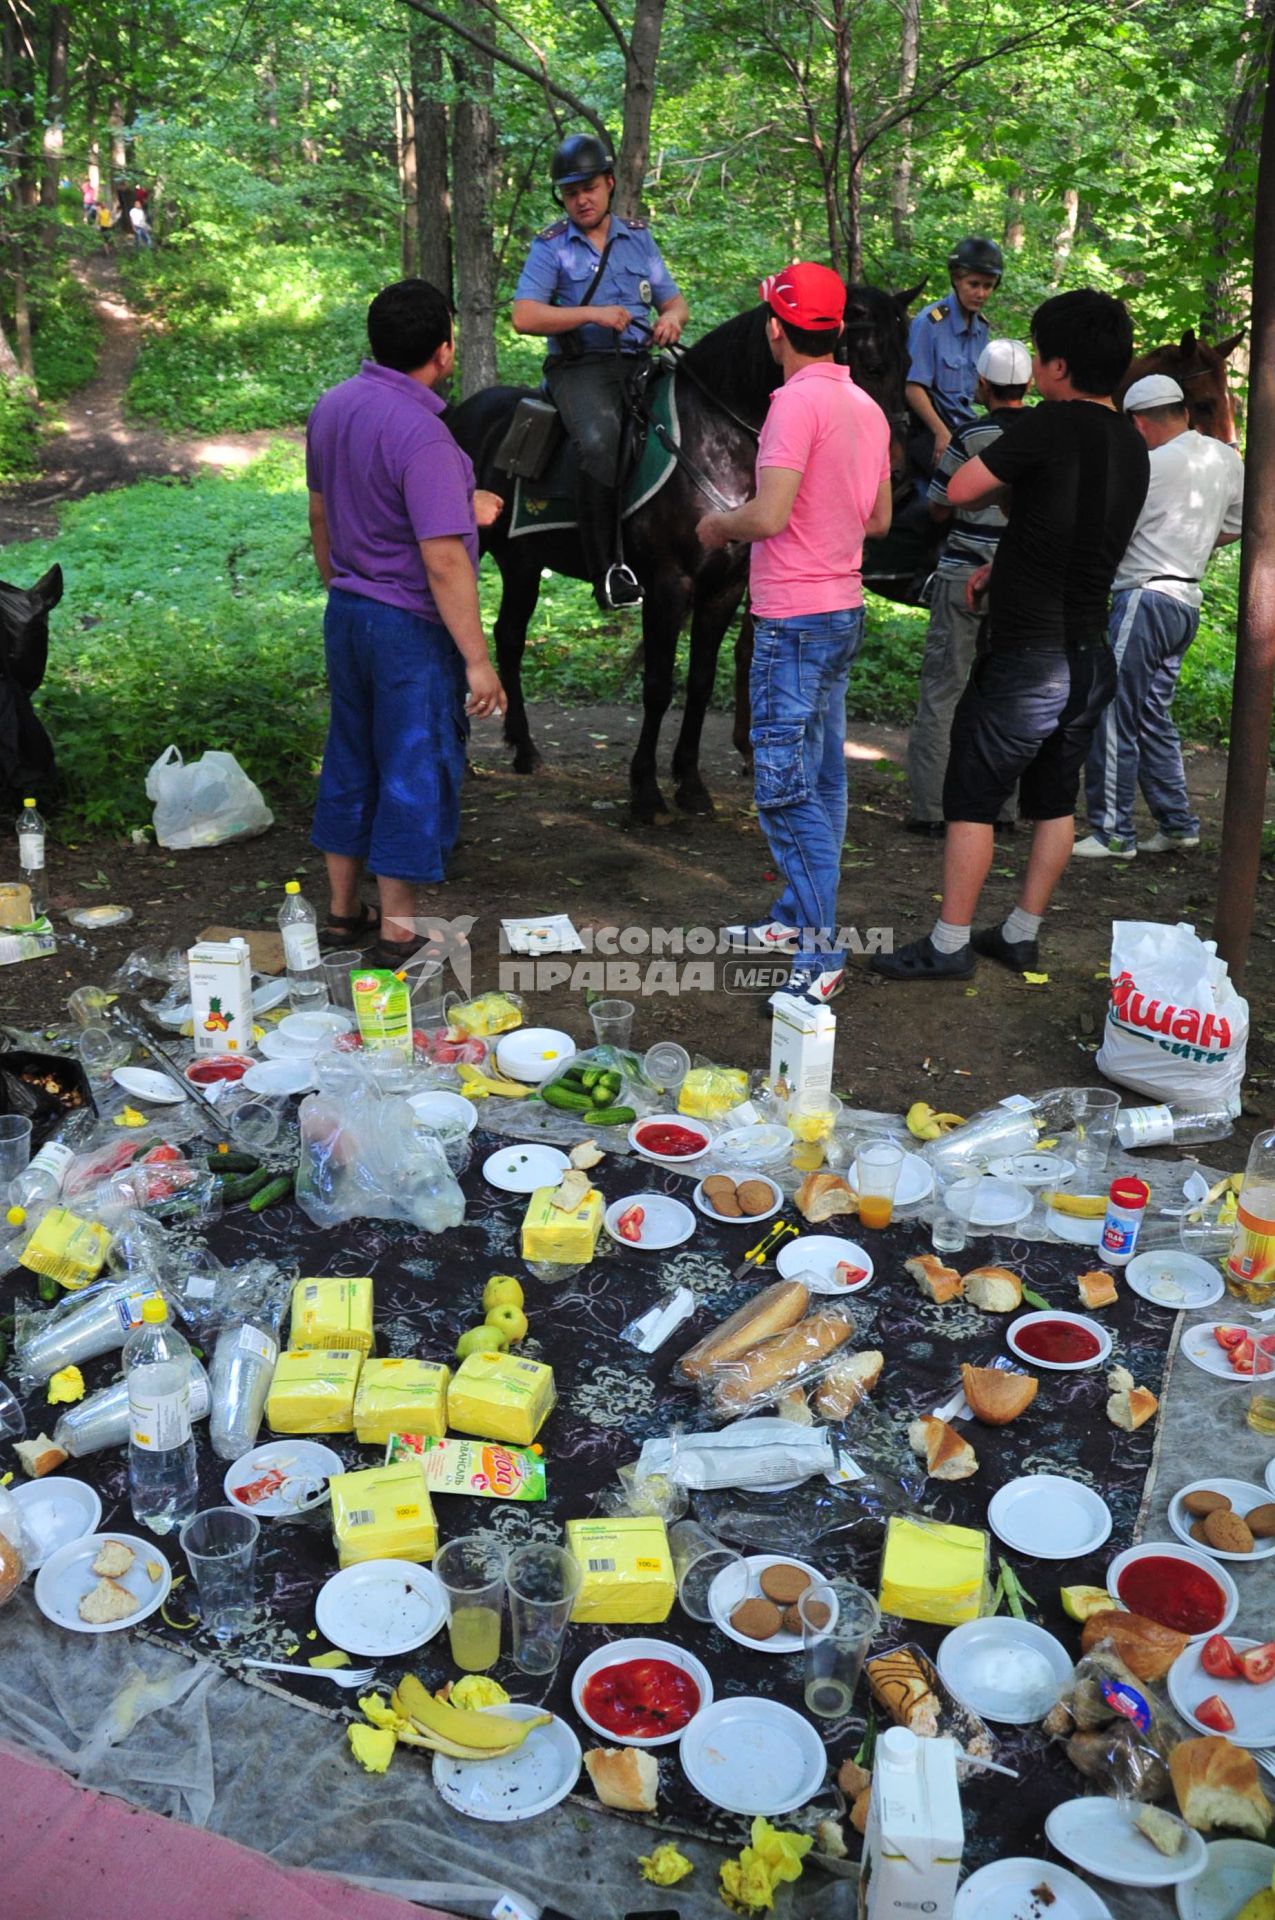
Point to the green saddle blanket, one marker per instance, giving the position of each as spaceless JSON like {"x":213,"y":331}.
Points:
{"x":547,"y":505}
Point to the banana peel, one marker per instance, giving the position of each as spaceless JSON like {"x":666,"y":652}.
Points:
{"x":924,"y":1123}
{"x":459,"y":1732}
{"x":478,"y":1086}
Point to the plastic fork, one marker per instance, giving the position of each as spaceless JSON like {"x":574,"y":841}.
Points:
{"x":341,"y":1676}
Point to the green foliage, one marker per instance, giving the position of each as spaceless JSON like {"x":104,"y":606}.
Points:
{"x":64,"y":334}
{"x":19,"y":434}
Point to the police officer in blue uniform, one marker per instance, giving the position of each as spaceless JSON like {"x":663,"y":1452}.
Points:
{"x":944,"y":344}
{"x":585,"y":281}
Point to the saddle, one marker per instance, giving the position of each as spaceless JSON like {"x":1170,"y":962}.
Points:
{"x":536,"y":432}
{"x":544,"y":498}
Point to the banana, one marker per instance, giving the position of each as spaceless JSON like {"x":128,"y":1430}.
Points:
{"x":921,"y":1121}
{"x":479,"y":1733}
{"x":1078,"y":1206}
{"x":945,"y":1122}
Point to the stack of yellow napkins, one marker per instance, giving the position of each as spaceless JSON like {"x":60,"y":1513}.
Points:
{"x":313,"y":1392}
{"x":67,"y":1249}
{"x":708,"y":1092}
{"x":548,"y":1233}
{"x":499,"y":1397}
{"x":332,"y":1313}
{"x":626,"y":1570}
{"x":383,"y":1513}
{"x":930,"y":1571}
{"x":400,"y":1396}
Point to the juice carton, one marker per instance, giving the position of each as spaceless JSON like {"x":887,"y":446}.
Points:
{"x":221,"y":995}
{"x":915,"y":1833}
{"x":383,"y":1009}
{"x":802,"y":1038}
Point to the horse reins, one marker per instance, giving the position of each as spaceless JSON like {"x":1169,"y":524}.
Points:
{"x":716,"y":499}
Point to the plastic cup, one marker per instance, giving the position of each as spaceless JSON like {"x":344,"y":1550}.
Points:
{"x":698,"y":1558}
{"x":1261,"y":1392}
{"x":667,"y":1065}
{"x":471,"y":1572}
{"x":425,"y":992}
{"x":812,"y":1118}
{"x":337,"y":968}
{"x":878,"y":1165}
{"x":542,"y":1582}
{"x":612,"y":1022}
{"x":254,"y":1125}
{"x":839,"y":1621}
{"x":13,"y":1422}
{"x":949,"y":1233}
{"x":87,"y":1005}
{"x":220,"y":1545}
{"x":102,"y":1050}
{"x":15,"y":1147}
{"x":1096,"y":1111}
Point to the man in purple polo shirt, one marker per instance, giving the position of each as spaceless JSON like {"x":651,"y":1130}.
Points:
{"x":394,"y":523}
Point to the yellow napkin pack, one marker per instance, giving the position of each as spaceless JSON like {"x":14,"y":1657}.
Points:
{"x":498,"y":1397}
{"x":400,"y":1396}
{"x":935,"y":1572}
{"x":708,"y":1092}
{"x":550,"y":1234}
{"x":313,"y":1392}
{"x":69,"y":1250}
{"x":626,"y":1571}
{"x":382,"y":1513}
{"x":332,"y":1313}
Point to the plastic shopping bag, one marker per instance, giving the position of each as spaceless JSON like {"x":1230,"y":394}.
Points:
{"x":202,"y":804}
{"x":1176,"y":1028}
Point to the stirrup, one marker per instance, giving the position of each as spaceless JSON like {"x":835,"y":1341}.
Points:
{"x":622,"y":579}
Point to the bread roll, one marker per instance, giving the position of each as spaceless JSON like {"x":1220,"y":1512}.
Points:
{"x":39,"y":1456}
{"x":1147,"y":1648}
{"x":994,"y":1289}
{"x":767,"y":1313}
{"x":996,"y":1395}
{"x":11,"y":1569}
{"x":821,"y":1195}
{"x":850,"y":1381}
{"x":762,"y":1370}
{"x":1097,"y":1289}
{"x":947,"y":1456}
{"x":900,"y":1685}
{"x":624,"y":1777}
{"x":937,"y":1282}
{"x":1216,"y":1785}
{"x":1131,"y":1408}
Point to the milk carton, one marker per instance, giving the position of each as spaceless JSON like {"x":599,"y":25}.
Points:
{"x":802,"y":1038}
{"x":915,"y":1834}
{"x":221,"y":995}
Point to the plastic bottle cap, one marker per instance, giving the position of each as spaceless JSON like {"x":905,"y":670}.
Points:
{"x":154,"y":1310}
{"x":292,"y":886}
{"x":28,"y":803}
{"x":1130,"y":1193}
{"x":15,"y":1216}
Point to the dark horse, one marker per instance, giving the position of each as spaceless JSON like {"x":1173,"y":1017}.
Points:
{"x":730,"y":372}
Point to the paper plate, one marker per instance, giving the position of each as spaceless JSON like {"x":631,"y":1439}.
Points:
{"x":765,"y":1145}
{"x":1253,"y":1708}
{"x":1014,"y":1333}
{"x":1015,"y":1890}
{"x":531,"y":1054}
{"x":1049,"y":1517}
{"x":1099,"y":1835}
{"x":670,"y":1120}
{"x":99,"y":917}
{"x":817,"y":1255}
{"x":740,"y":1219}
{"x":1234,"y":1871}
{"x":1199,"y":1344}
{"x":270,"y":994}
{"x":989,"y":1203}
{"x":740,"y":1581}
{"x":144,"y":1083}
{"x":380,"y":1608}
{"x":523,"y":1168}
{"x":280,"y":1077}
{"x":528,"y":1781}
{"x":1033,"y":1169}
{"x":55,"y":1512}
{"x":274,"y":1047}
{"x":443,"y":1106}
{"x":1006,"y":1670}
{"x":916,"y":1181}
{"x":1243,"y":1496}
{"x":1077,"y":1233}
{"x":1163,"y":1549}
{"x":665,"y":1222}
{"x":638,"y":1649}
{"x":753,"y":1756}
{"x":67,"y":1576}
{"x":305,"y":1462}
{"x":1173,"y":1279}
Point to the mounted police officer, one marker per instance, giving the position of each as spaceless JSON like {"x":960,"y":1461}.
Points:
{"x":585,"y":282}
{"x":944,"y":344}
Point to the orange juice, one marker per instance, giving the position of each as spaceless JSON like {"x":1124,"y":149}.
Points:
{"x":875,"y":1209}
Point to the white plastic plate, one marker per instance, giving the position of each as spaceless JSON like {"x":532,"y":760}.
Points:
{"x":380,"y":1608}
{"x":753,"y":1756}
{"x":528,"y":1781}
{"x":1099,"y":1835}
{"x":67,"y":1576}
{"x":1049,"y":1516}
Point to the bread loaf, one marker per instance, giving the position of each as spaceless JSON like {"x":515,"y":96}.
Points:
{"x":946,"y":1455}
{"x":1147,"y":1648}
{"x":996,"y":1395}
{"x":937,"y":1282}
{"x":1216,"y":1785}
{"x":1131,"y":1407}
{"x":624,"y":1777}
{"x":850,"y":1381}
{"x":821,"y":1195}
{"x":1097,"y":1289}
{"x":994,"y":1289}
{"x":762,"y":1370}
{"x":767,"y":1313}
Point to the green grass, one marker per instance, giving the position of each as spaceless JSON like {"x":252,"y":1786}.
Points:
{"x":64,"y":342}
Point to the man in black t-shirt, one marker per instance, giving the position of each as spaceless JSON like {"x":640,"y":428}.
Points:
{"x":1077,"y":476}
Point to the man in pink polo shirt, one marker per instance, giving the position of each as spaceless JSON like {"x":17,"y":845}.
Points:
{"x":823,"y":486}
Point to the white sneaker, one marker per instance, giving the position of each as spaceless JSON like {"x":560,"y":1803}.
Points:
{"x":772,"y":936}
{"x":1096,"y":848}
{"x":819,"y":987}
{"x":1162,"y":842}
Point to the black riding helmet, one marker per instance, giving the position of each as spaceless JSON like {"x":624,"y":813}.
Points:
{"x":580,"y":158}
{"x":976,"y":255}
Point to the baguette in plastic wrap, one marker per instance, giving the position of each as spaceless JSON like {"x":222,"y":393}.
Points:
{"x":798,"y":1356}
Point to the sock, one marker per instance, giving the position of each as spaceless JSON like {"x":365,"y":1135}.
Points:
{"x":1022,"y":925}
{"x":949,"y":939}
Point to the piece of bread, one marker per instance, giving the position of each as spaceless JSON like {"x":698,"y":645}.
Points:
{"x":946,"y":1455}
{"x":571,"y":1191}
{"x":859,"y":1811}
{"x":822,"y":1195}
{"x":994,"y":1289}
{"x":12,"y":1569}
{"x":1216,"y":1785}
{"x":1146,"y":1648}
{"x":108,"y":1600}
{"x":1165,"y":1832}
{"x":850,"y":1381}
{"x":1131,"y":1408}
{"x":113,"y":1559}
{"x":937,"y":1282}
{"x":1097,"y":1289}
{"x":997,"y":1396}
{"x":624,"y":1777}
{"x":1205,"y":1501}
{"x":901,"y":1687}
{"x":768,"y":1312}
{"x":1119,"y":1377}
{"x":39,"y":1456}
{"x":1260,"y":1521}
{"x":1227,"y":1532}
{"x":795,"y":1407}
{"x":853,"y":1779}
{"x":763,"y":1370}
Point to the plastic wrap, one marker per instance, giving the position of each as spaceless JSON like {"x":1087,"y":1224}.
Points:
{"x":620,"y":1082}
{"x":794,"y":1360}
{"x":488,"y":1015}
{"x":15,"y":1548}
{"x":711,"y":1092}
{"x":79,"y":1328}
{"x":751,"y":1453}
{"x":1116,"y":1729}
{"x":366,"y":1156}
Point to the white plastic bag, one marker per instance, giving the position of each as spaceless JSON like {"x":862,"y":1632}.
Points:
{"x":1176,"y":1028}
{"x":202,"y":804}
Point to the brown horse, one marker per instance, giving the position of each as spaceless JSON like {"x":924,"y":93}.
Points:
{"x":1200,"y":371}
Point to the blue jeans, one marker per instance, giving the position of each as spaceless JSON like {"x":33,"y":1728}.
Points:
{"x":798,"y":688}
{"x":1137,"y":744}
{"x":389,"y":790}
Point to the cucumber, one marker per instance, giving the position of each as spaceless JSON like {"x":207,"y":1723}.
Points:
{"x":242,"y":1186}
{"x":568,"y":1101}
{"x":277,"y":1190}
{"x":613,"y":1117}
{"x":590,"y":1077}
{"x":232,"y":1162}
{"x":604,"y":1096}
{"x":47,"y":1287}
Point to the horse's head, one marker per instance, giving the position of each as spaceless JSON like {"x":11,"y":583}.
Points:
{"x":875,"y":348}
{"x":24,"y":627}
{"x":1200,"y":371}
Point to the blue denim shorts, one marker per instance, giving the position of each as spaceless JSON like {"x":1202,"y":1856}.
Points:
{"x":1026,"y":719}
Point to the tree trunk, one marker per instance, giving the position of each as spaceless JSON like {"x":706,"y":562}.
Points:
{"x":9,"y":368}
{"x":901,"y":177}
{"x":474,"y":161}
{"x":433,"y":200}
{"x":15,"y":116}
{"x":119,"y":149}
{"x":270,"y":113}
{"x":639,"y":96}
{"x":1015,"y":222}
{"x":55,"y":106}
{"x":848,"y":140}
{"x":1226,"y":301}
{"x":405,"y":152}
{"x":1065,"y":237}
{"x":307,"y":145}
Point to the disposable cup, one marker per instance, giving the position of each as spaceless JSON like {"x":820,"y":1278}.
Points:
{"x":15,"y":1148}
{"x":337,"y":968}
{"x":838,"y":1623}
{"x":1096,"y":1112}
{"x":542,"y":1581}
{"x":698,"y":1558}
{"x":878,"y":1165}
{"x":471,"y":1572}
{"x":612,"y":1022}
{"x":221,"y":1546}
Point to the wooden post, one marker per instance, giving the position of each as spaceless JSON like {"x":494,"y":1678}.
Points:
{"x":1248,"y":761}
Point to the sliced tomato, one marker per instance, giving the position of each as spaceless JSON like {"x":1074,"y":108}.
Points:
{"x":1229,"y":1337}
{"x":1258,"y":1664}
{"x":1266,"y":1344}
{"x":629,"y":1224}
{"x":1242,"y":1356}
{"x":1219,"y":1659}
{"x":162,"y":1155}
{"x":1215,"y":1713}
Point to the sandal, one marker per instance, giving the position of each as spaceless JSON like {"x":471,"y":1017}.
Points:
{"x":921,"y":960}
{"x":347,"y":929}
{"x":393,"y":955}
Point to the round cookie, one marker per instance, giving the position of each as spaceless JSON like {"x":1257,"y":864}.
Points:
{"x":756,"y":1619}
{"x":818,"y":1614}
{"x":754,"y":1196}
{"x":1204,"y":1501}
{"x":1227,"y":1532}
{"x":1196,"y":1531}
{"x":784,"y":1584}
{"x":1261,"y":1520}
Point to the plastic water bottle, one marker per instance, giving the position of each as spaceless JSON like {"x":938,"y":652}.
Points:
{"x":1164,"y":1126}
{"x":307,"y":988}
{"x":40,"y":1182}
{"x":162,"y":1480}
{"x":31,"y":856}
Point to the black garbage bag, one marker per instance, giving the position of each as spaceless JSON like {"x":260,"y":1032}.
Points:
{"x":46,"y":1088}
{"x":27,"y":763}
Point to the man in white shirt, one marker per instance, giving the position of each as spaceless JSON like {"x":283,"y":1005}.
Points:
{"x":1193,"y":505}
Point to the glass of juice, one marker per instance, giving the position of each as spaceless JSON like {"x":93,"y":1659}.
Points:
{"x":838,"y":1622}
{"x":471,"y":1571}
{"x":877,"y":1167}
{"x":812,"y":1118}
{"x":1261,"y":1393}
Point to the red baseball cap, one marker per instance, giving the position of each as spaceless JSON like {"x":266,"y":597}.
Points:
{"x":806,"y":295}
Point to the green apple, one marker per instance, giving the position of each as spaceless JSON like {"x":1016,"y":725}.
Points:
{"x":487,"y":1339}
{"x":502,"y":1290}
{"x":510,"y":1321}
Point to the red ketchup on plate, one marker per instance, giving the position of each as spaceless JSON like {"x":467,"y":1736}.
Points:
{"x":1057,"y":1340}
{"x":673,"y":1142}
{"x":641,"y":1699}
{"x":1172,"y":1592}
{"x":222,"y":1067}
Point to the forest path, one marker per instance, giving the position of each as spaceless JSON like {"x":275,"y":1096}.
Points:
{"x":92,"y":447}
